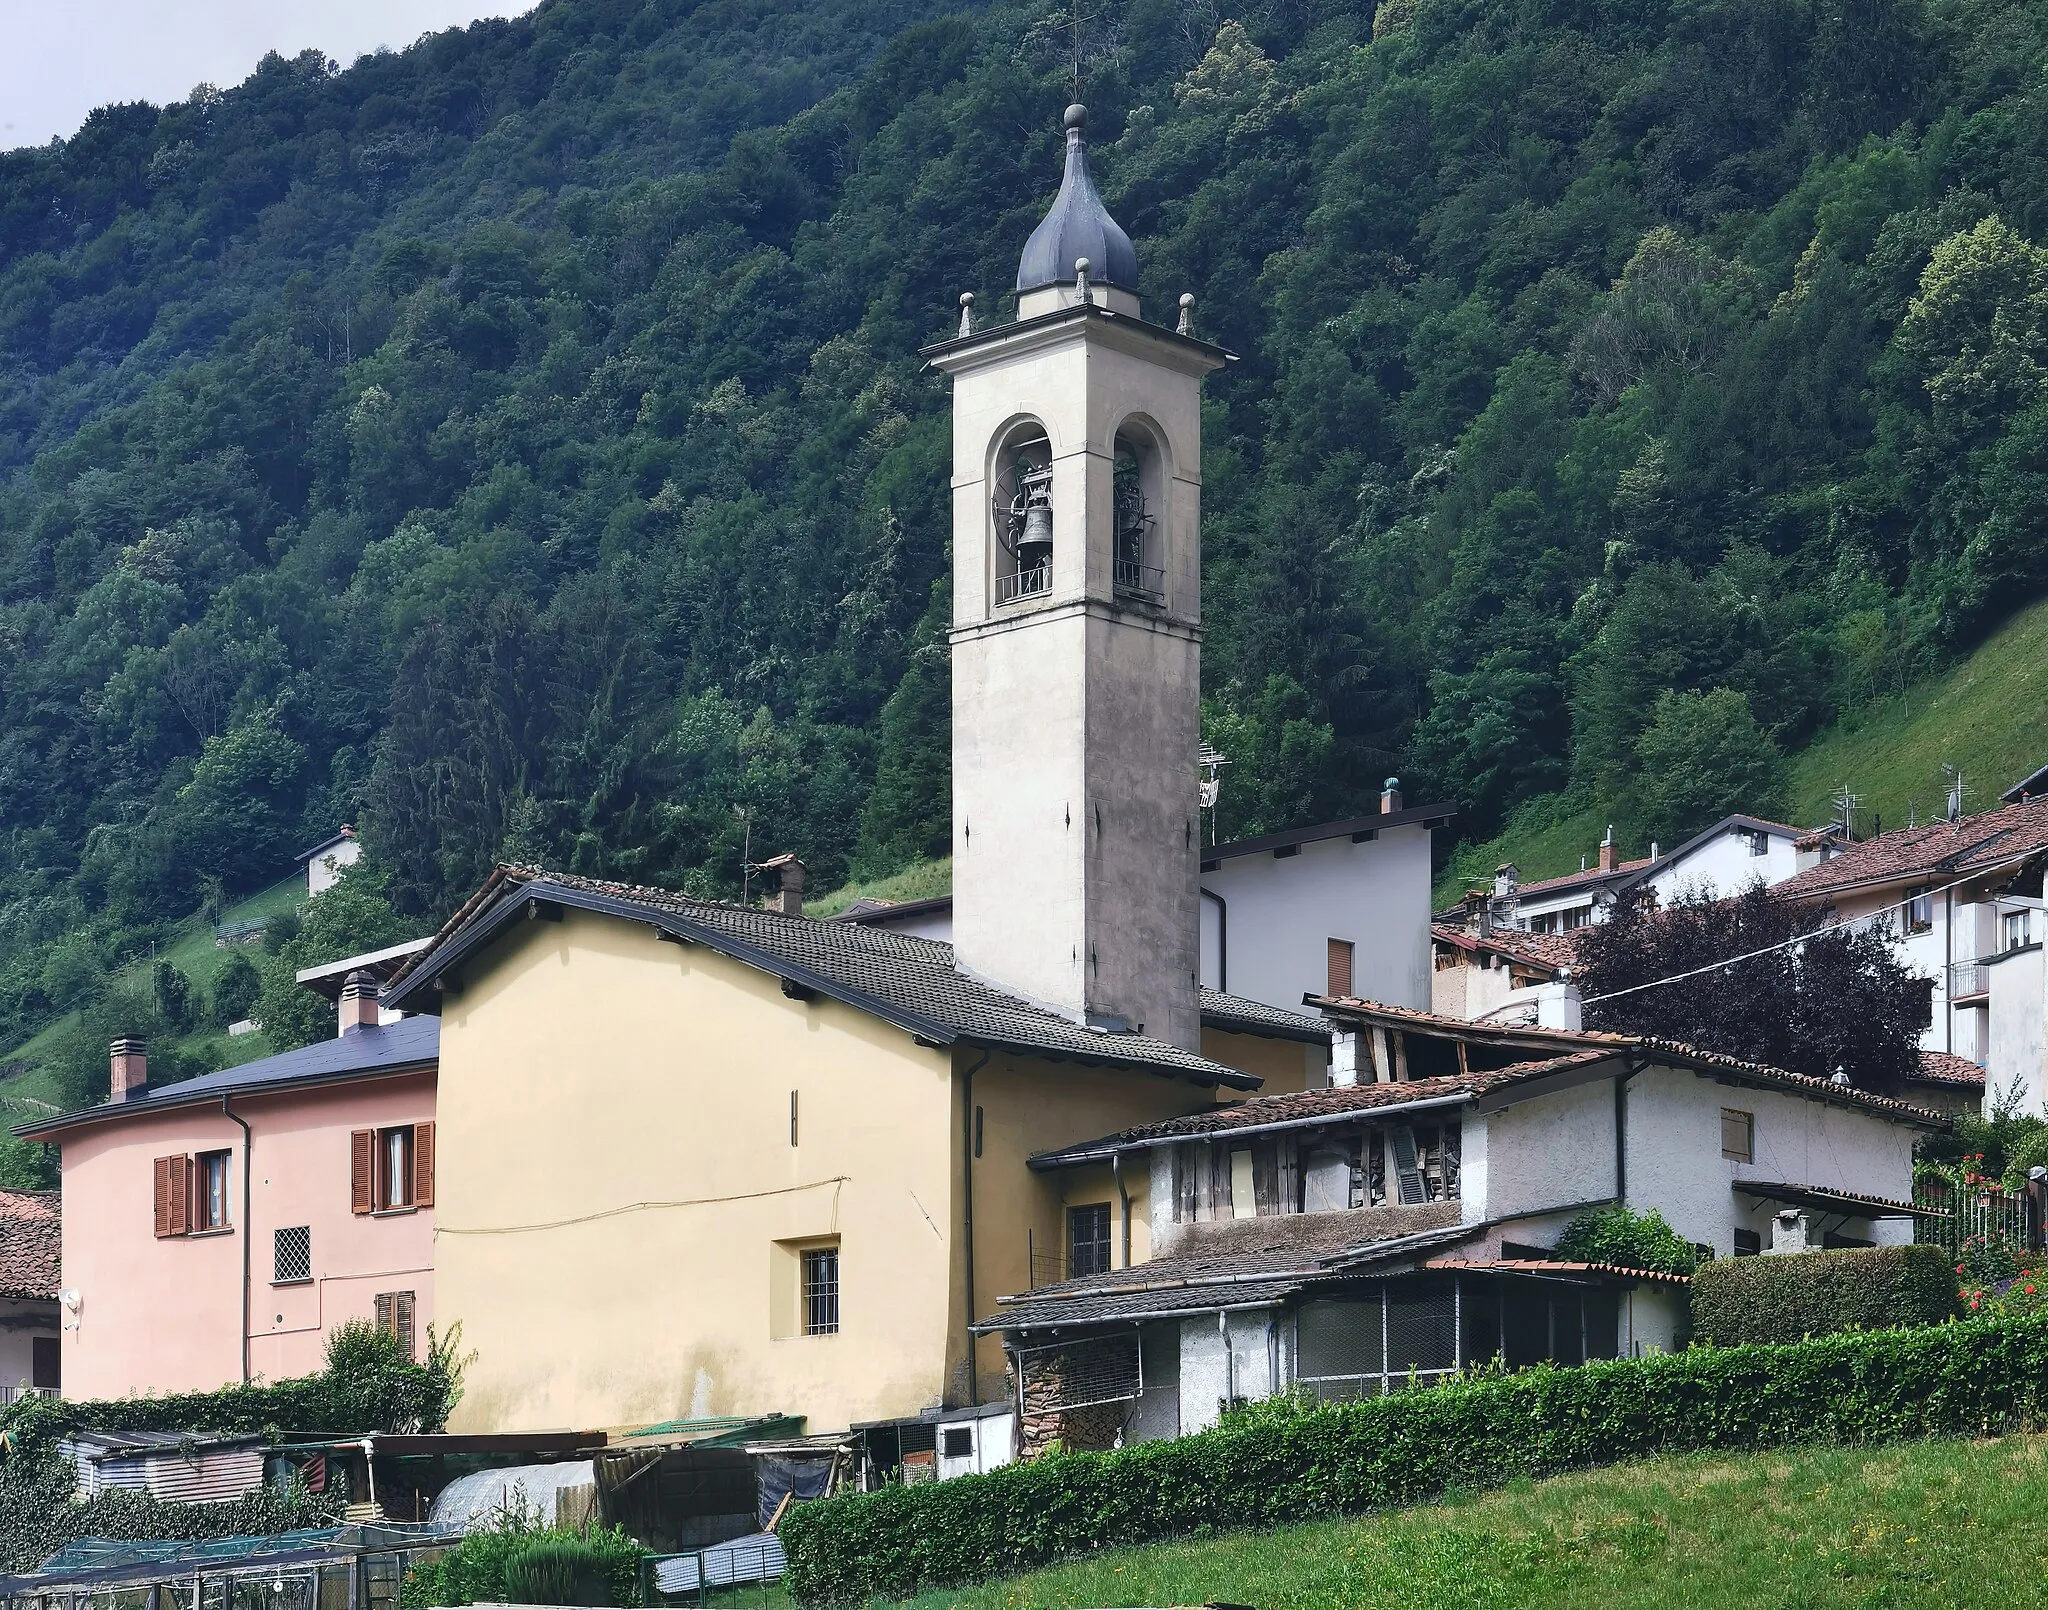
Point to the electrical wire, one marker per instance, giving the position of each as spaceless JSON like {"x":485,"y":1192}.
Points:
{"x":1825,"y":928}
{"x":640,"y":1207}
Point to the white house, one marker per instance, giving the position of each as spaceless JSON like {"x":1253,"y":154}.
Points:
{"x":1341,"y":908}
{"x":1723,"y":859}
{"x":1337,"y":908}
{"x":1963,"y":902}
{"x":325,"y":861}
{"x":1402,"y":1221}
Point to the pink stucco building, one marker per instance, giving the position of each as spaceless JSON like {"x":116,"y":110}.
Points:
{"x":216,"y":1229}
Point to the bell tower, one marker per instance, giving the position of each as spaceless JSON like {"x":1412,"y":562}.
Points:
{"x":1076,"y":634}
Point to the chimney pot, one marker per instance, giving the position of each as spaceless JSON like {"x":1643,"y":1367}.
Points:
{"x":1390,"y":796}
{"x":360,"y":995}
{"x":129,"y":1061}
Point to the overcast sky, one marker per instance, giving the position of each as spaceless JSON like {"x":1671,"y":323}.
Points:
{"x":61,"y":58}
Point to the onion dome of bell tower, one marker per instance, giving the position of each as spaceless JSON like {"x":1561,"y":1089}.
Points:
{"x":1078,"y":226}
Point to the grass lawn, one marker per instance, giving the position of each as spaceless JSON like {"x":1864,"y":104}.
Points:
{"x":920,"y":882}
{"x":1923,"y":1523}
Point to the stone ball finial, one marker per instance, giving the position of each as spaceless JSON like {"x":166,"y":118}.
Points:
{"x":1077,"y":117}
{"x":967,"y":313}
{"x":1187,"y":312}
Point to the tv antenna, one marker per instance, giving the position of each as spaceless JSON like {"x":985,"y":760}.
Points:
{"x":1845,"y":803}
{"x":1954,"y":774}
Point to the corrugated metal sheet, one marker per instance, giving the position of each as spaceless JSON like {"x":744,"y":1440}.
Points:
{"x":206,"y":1476}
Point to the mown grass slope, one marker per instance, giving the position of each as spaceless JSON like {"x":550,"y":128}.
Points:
{"x":1926,"y":1523}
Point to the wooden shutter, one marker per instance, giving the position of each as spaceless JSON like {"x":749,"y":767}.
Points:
{"x":384,"y":1314}
{"x":362,"y":1173}
{"x":1407,"y":1167}
{"x":169,"y":1196}
{"x":423,"y":1165}
{"x":1340,"y":967}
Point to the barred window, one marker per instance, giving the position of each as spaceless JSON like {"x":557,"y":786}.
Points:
{"x":1087,"y":1240}
{"x":292,"y":1255}
{"x":821,"y":1291}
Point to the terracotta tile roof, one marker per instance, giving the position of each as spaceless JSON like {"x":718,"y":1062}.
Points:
{"x":31,"y":1240}
{"x":1947,"y":1069}
{"x":904,"y":980}
{"x":1937,"y":850}
{"x":1308,"y":1106}
{"x":1670,"y":1050}
{"x":1550,"y":951}
{"x":1542,"y":1266}
{"x":1591,"y":878}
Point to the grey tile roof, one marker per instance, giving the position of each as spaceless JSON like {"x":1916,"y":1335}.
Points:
{"x":412,"y":1042}
{"x":1222,"y":1266}
{"x":1239,"y":1014}
{"x":898,"y":977}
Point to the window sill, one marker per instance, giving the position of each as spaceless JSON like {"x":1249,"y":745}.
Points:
{"x":306,"y":1281}
{"x":392,"y":1212}
{"x":195,"y":1235}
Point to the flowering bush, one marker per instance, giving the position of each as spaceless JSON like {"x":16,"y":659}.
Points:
{"x":1987,"y":1260}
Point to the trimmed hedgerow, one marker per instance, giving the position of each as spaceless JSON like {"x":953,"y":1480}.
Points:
{"x":1789,"y":1298}
{"x":1271,"y":1467}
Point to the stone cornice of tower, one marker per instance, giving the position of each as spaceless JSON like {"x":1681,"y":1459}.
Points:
{"x":1188,"y":353}
{"x":1149,"y":617}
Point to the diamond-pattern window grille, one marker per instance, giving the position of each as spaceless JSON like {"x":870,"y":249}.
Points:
{"x":293,"y":1252}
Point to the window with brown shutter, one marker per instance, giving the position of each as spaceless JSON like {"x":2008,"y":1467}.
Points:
{"x":172,"y":1195}
{"x":1340,"y":967}
{"x":362,"y":1171}
{"x":395,"y":1315}
{"x":423,"y":1165}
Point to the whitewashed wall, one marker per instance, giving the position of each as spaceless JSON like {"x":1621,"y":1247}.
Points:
{"x":2019,"y":1030}
{"x":1542,"y":1154}
{"x":1675,"y":1162}
{"x":1282,"y":914}
{"x":1723,"y":865}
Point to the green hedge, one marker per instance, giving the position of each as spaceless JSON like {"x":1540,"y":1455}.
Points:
{"x":1791,"y":1297}
{"x":1268,"y":1468}
{"x":495,"y":1564}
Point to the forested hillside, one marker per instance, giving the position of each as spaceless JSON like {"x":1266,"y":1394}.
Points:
{"x":517,"y":445}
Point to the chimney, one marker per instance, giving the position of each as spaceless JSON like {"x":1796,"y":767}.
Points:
{"x":788,"y":897}
{"x":1607,"y":850}
{"x":129,"y":1057}
{"x":1558,"y":1006}
{"x":1477,"y":912}
{"x":1390,"y":796}
{"x":359,"y":997}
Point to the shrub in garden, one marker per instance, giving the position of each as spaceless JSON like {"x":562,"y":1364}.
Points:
{"x":1789,"y":1297}
{"x":1619,"y":1235}
{"x":1291,"y":1464}
{"x":514,"y":1559}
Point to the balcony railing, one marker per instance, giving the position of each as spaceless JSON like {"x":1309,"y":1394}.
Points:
{"x":1023,"y":583}
{"x":1145,"y":581}
{"x":1968,"y":980}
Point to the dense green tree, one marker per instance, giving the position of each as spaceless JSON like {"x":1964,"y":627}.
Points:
{"x":348,"y":918}
{"x":1702,"y":757}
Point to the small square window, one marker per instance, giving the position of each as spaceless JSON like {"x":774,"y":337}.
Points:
{"x":292,"y":1255}
{"x":1738,"y":1135}
{"x":1087,"y":1240}
{"x":1919,"y":912}
{"x":1748,"y":1244}
{"x":2017,"y":929}
{"x":957,"y":1442}
{"x":821,"y":1291}
{"x":210,"y":1191}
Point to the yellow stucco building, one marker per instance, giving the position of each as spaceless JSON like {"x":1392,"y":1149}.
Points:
{"x":703,"y":1160}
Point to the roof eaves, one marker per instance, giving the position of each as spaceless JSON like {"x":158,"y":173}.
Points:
{"x":534,"y":890}
{"x":1352,"y":827}
{"x":168,"y":1099}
